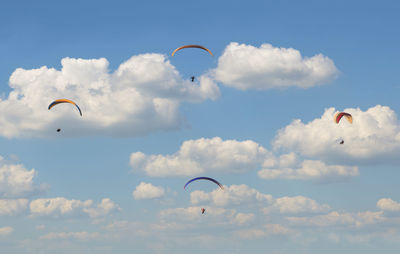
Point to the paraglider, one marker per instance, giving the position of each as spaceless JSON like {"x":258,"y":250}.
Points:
{"x":56,"y":102}
{"x":58,"y":130}
{"x":192,"y":78}
{"x":204,"y":178}
{"x":338,"y":116}
{"x":191,"y":46}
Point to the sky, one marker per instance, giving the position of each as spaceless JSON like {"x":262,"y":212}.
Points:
{"x":259,"y":118}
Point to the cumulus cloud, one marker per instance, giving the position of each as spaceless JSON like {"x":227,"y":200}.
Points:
{"x":310,"y":170}
{"x":247,"y":67}
{"x":374,"y":136}
{"x":340,"y":219}
{"x":6,"y":231}
{"x":57,"y":206}
{"x":104,"y":208}
{"x":202,"y":155}
{"x":232,"y":195}
{"x":297,"y":204}
{"x":246,"y":196}
{"x":61,"y":207}
{"x":141,"y":96}
{"x":214,"y":155}
{"x":16,"y":181}
{"x":147,"y":191}
{"x":12,"y":206}
{"x":388,"y":204}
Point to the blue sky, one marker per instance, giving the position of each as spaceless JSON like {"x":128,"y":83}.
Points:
{"x":258,"y":118}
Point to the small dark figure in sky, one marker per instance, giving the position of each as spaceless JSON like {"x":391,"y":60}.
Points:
{"x":203,"y":210}
{"x":342,"y":142}
{"x":58,"y":130}
{"x":192,"y":78}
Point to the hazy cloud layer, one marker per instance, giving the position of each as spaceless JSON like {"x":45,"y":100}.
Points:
{"x":247,"y":67}
{"x":12,"y":206}
{"x":264,"y":231}
{"x":6,"y":231}
{"x":81,"y":236}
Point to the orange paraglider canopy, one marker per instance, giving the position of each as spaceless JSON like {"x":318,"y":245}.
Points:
{"x":191,"y":46}
{"x":339,"y":116}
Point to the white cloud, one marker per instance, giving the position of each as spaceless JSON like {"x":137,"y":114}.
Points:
{"x":203,"y":155}
{"x":61,"y":207}
{"x":57,"y":207}
{"x":388,"y":204}
{"x":16,"y":181}
{"x":246,"y":196}
{"x":147,"y":191}
{"x":194,"y":213}
{"x":340,"y":218}
{"x":297,"y":204}
{"x":141,"y":96}
{"x":247,"y":67}
{"x":81,"y":236}
{"x":6,"y":231}
{"x":231,"y":195}
{"x":12,"y":206}
{"x":106,"y":207}
{"x":310,"y":170}
{"x":265,"y":231}
{"x":215,"y":155}
{"x":243,"y":218}
{"x":373,"y":136}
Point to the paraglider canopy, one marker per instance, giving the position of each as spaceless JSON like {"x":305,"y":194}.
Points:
{"x":191,"y":46}
{"x":204,"y":178}
{"x":203,"y":210}
{"x":56,"y":102}
{"x":338,"y":116}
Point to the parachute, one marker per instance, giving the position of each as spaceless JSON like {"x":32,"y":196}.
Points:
{"x":64,"y":101}
{"x":191,"y":46}
{"x":339,"y":116}
{"x":204,"y":178}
